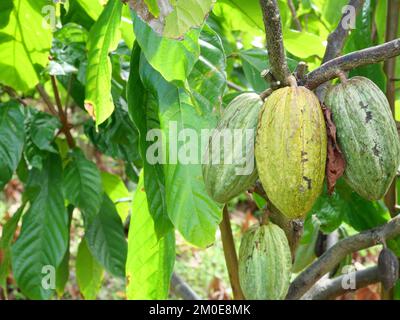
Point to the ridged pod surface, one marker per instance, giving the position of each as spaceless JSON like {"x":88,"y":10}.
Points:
{"x":367,"y":136}
{"x":224,"y":180}
{"x":265,"y":263}
{"x":290,"y":150}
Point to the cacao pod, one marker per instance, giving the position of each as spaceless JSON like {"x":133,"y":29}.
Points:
{"x":227,"y":176}
{"x":367,"y":136}
{"x":265,"y":263}
{"x":291,"y":146}
{"x":388,"y":268}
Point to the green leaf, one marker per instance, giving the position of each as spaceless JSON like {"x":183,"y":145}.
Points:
{"x":174,"y":59}
{"x":103,"y":38}
{"x":142,"y":110}
{"x":106,"y":240}
{"x":150,"y":259}
{"x":83,"y":187}
{"x":115,"y":188}
{"x":153,"y":7}
{"x":12,"y":138}
{"x":44,"y":234}
{"x":89,"y":273}
{"x":195,"y":215}
{"x":207,"y":81}
{"x":5,"y":244}
{"x":303,"y":44}
{"x":42,"y":130}
{"x":62,"y":272}
{"x":24,"y":44}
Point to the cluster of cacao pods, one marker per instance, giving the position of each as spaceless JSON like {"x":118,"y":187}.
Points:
{"x":290,"y":151}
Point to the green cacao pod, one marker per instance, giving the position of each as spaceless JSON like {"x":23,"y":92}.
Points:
{"x":265,"y":263}
{"x":229,"y":169}
{"x":291,"y":146}
{"x":367,"y":136}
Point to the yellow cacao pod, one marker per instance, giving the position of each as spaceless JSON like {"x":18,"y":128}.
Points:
{"x":291,"y":146}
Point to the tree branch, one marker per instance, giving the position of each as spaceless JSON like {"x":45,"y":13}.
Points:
{"x":294,"y":15}
{"x":330,"y":69}
{"x":338,"y":37}
{"x":331,"y":288}
{"x":230,"y":255}
{"x":181,"y":288}
{"x":335,"y":254}
{"x":273,"y":32}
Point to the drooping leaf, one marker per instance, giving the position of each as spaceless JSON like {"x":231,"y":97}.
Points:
{"x":106,"y":240}
{"x":43,"y":240}
{"x":115,"y":188}
{"x":42,"y":130}
{"x":150,"y":258}
{"x":142,"y":110}
{"x":89,"y":272}
{"x":172,"y":19}
{"x":196,"y":215}
{"x":103,"y":38}
{"x":12,"y":137}
{"x":7,"y":237}
{"x":83,"y":187}
{"x":174,"y":59}
{"x":25,"y":43}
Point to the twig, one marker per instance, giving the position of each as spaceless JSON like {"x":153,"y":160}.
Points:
{"x":273,"y":32}
{"x":230,"y":255}
{"x":180,"y":287}
{"x":46,"y":99}
{"x":329,"y":70}
{"x":331,"y":288}
{"x":294,"y":15}
{"x":61,"y":113}
{"x":338,"y":37}
{"x":234,"y":86}
{"x":392,"y":22}
{"x":335,"y":254}
{"x":336,"y":41}
{"x":10,"y":91}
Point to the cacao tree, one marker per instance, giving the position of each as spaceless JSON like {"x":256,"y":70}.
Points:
{"x":132,"y":128}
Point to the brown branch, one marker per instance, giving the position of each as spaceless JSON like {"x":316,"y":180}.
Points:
{"x":294,"y":15}
{"x":230,"y":255}
{"x":330,"y":69}
{"x":273,"y":32}
{"x":392,"y":23}
{"x":61,"y":113}
{"x":336,"y":41}
{"x":46,"y":98}
{"x":335,"y":254}
{"x":10,"y":91}
{"x":181,"y":288}
{"x":331,"y":288}
{"x":337,"y":38}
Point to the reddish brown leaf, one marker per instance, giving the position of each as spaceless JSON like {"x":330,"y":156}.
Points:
{"x":335,"y":161}
{"x":217,"y":290}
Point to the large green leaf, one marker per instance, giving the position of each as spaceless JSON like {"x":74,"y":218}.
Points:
{"x":172,"y":19}
{"x":115,"y":188}
{"x":106,"y":240}
{"x":150,"y":258}
{"x":207,"y":81}
{"x":5,"y":245}
{"x":44,"y":234}
{"x":12,"y":137}
{"x":142,"y":110}
{"x":174,"y":59}
{"x":24,"y":44}
{"x":195,"y":215}
{"x":89,"y":272}
{"x":303,"y":44}
{"x":103,"y":38}
{"x":83,"y":187}
{"x":42,"y":130}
